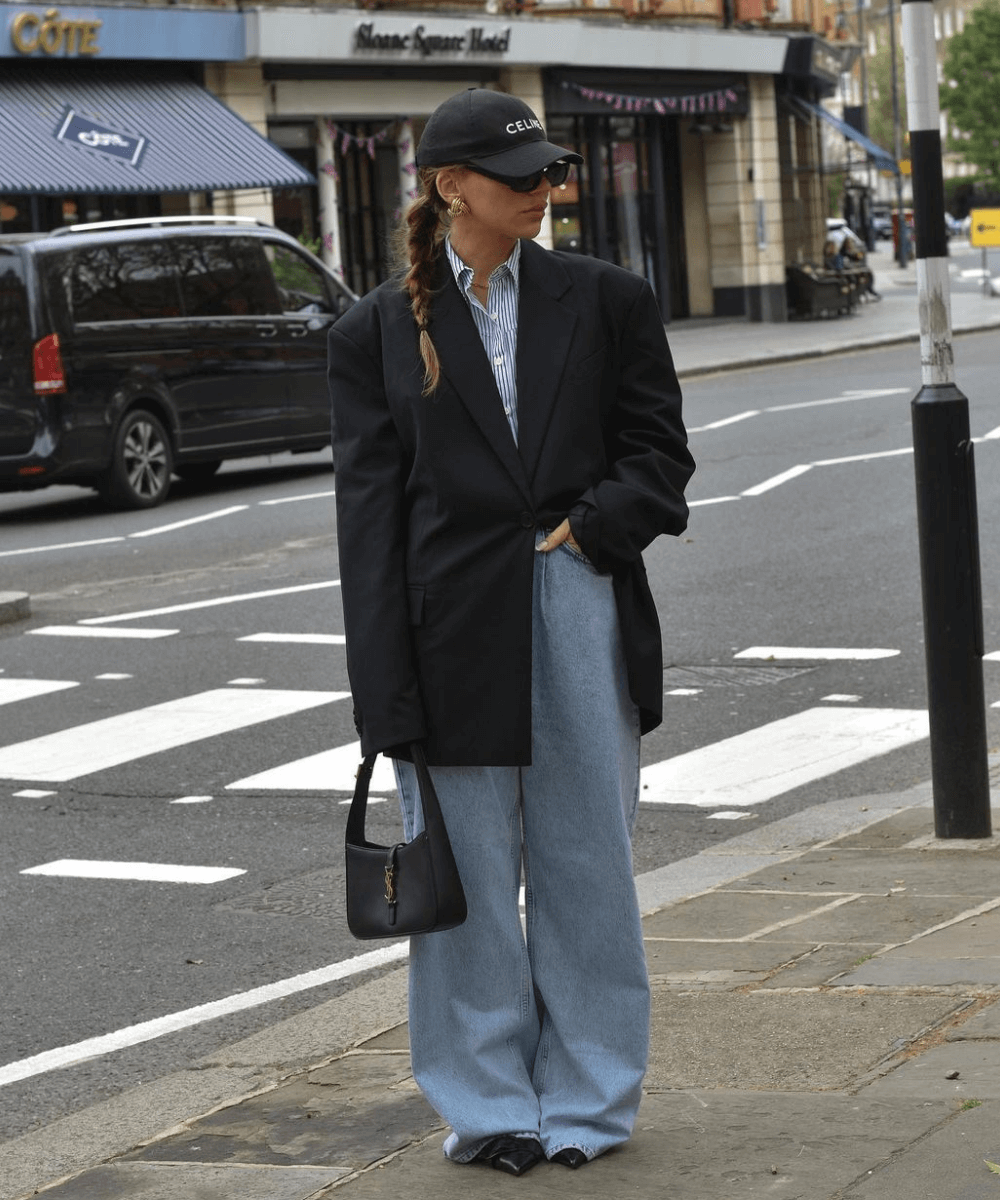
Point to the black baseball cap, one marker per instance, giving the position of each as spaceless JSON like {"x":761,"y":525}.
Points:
{"x":490,"y":130}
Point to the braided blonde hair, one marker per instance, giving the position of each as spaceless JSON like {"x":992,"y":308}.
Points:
{"x":421,"y":234}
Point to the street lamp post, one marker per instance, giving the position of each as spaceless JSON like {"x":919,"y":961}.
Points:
{"x":945,"y":477}
{"x":902,"y":232}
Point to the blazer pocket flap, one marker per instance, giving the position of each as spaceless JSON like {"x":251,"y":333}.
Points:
{"x":588,"y":365}
{"x":415,"y":601}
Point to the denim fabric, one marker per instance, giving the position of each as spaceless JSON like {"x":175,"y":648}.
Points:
{"x":545,"y":1035}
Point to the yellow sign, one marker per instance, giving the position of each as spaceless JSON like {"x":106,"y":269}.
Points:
{"x":905,"y":166}
{"x":30,"y":33}
{"x":984,"y":227}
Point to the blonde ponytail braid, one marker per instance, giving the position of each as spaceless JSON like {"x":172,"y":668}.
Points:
{"x":423,"y":230}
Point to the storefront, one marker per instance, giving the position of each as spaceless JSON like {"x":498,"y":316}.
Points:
{"x":681,"y":180}
{"x":103,"y":115}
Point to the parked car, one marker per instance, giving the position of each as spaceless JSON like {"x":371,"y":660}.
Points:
{"x":134,"y":350}
{"x":881,"y":223}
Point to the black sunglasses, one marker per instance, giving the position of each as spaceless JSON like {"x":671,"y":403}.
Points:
{"x":556,"y":173}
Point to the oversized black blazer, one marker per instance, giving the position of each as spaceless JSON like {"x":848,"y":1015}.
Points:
{"x":437,"y":507}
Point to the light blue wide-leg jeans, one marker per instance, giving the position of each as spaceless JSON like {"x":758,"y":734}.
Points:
{"x":547,"y":1036}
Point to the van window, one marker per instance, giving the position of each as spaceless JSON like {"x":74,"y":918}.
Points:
{"x":123,"y":281}
{"x":301,"y":285}
{"x":225,"y":277}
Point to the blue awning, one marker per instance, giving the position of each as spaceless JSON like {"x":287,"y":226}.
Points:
{"x":881,"y":158}
{"x":67,"y":128}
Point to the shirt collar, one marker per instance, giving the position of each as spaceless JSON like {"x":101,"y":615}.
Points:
{"x":464,"y":273}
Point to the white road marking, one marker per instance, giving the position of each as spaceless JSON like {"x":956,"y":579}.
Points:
{"x":12,"y":690}
{"x":60,"y":546}
{"x":105,"y":631}
{"x":191,"y":800}
{"x":98,"y":745}
{"x":371,"y":800}
{"x":822,"y":653}
{"x":683,"y":692}
{"x":113,"y":675}
{"x":329,"y":771}
{"x":212,"y":516}
{"x":293,"y":499}
{"x":753,"y":412}
{"x":993,"y":656}
{"x":840,"y":698}
{"x":766,"y":762}
{"x":854,"y":458}
{"x":134,"y":1035}
{"x":247,"y":682}
{"x":729,"y":816}
{"x":714,"y":500}
{"x":173,"y":608}
{"x":846,"y":398}
{"x":310,"y":639}
{"x":33,"y":794}
{"x":993,"y":433}
{"x":83,"y":868}
{"x":777,"y":480}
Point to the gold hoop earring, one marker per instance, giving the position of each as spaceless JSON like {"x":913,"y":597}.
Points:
{"x":457,"y":207}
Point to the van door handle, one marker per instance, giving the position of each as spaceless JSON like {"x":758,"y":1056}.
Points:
{"x":267,"y":331}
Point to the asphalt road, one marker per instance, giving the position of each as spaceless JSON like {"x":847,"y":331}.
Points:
{"x":786,"y":548}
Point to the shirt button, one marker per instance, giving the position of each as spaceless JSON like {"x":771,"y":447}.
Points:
{"x":498,"y":360}
{"x":495,"y":316}
{"x":527,"y":521}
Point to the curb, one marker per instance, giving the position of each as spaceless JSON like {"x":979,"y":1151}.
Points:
{"x":788,"y":356}
{"x":14,"y":606}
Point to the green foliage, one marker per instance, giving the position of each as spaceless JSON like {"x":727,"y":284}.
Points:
{"x":971,"y":91}
{"x":880,"y":125}
{"x":835,"y":194}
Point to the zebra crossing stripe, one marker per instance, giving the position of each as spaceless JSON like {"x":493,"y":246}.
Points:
{"x":329,"y":771}
{"x":98,"y":745}
{"x":80,"y":868}
{"x":766,"y":762}
{"x":12,"y":690}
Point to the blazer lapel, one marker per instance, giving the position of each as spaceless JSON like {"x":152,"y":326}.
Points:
{"x":544,"y":334}
{"x":467,"y":369}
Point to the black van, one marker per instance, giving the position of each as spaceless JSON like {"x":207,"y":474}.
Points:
{"x":133,"y":350}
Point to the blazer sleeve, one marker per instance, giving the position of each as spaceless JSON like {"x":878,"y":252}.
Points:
{"x":642,"y":493}
{"x":371,"y":469}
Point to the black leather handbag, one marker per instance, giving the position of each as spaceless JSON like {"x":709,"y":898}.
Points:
{"x":412,"y":887}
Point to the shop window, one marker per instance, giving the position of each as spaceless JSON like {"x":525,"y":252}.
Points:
{"x":225,"y":277}
{"x":134,"y":281}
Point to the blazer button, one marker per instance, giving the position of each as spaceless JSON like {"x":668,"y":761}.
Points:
{"x":527,"y":521}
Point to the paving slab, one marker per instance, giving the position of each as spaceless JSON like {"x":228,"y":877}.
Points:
{"x":780,"y":1041}
{"x":965,"y":953}
{"x":983,"y":1024}
{"x":820,"y":965}
{"x":142,"y":1181}
{"x":701,"y":1145}
{"x":347,"y":1115}
{"x":885,"y":919}
{"x":977,"y":1064}
{"x":716,"y":916}
{"x":950,"y":1164}
{"x":14,"y":606}
{"x":834,"y":870}
{"x":731,"y":963}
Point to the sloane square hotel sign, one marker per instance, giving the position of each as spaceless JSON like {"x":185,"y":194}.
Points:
{"x":418,"y":42}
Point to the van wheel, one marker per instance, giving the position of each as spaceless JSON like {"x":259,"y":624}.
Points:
{"x":141,"y":463}
{"x":198,"y":472}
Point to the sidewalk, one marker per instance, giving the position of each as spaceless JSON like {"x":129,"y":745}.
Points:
{"x":701,"y":347}
{"x":825,"y":1025}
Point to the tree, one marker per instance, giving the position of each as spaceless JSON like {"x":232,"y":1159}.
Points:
{"x":880,"y":126}
{"x":971,"y":90}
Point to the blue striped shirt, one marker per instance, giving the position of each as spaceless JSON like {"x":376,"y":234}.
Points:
{"x":496,"y":322}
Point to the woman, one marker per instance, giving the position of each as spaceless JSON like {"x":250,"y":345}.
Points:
{"x":507,"y":441}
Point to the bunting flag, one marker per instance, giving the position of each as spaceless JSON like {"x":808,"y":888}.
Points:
{"x":715,"y":100}
{"x":350,"y":141}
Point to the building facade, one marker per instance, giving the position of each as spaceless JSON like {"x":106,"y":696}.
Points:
{"x":701,"y":166}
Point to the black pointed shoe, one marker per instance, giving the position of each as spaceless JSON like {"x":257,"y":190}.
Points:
{"x":513,"y":1155}
{"x":570,"y":1157}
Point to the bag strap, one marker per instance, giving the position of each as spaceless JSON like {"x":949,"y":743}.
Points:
{"x":433,"y":820}
{"x":359,"y":805}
